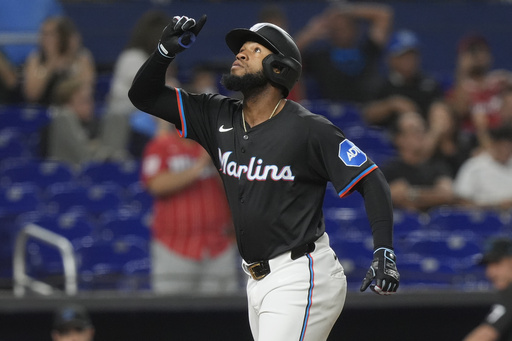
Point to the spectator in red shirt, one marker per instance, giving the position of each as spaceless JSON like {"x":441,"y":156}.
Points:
{"x":193,"y":247}
{"x":476,"y":93}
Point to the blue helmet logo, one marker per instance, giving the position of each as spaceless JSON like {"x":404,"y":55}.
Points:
{"x":351,"y":155}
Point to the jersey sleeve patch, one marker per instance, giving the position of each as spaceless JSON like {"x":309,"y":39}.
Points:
{"x":350,"y":154}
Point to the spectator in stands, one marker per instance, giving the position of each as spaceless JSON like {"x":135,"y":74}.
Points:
{"x":406,"y":87}
{"x":20,"y":21}
{"x":118,"y":130}
{"x":204,"y":80}
{"x":60,"y":56}
{"x":73,"y":132}
{"x":417,"y":183}
{"x":275,"y":14}
{"x":452,"y":146}
{"x":506,"y":107}
{"x":475,"y":94}
{"x":485,"y":180}
{"x":9,"y":81}
{"x":72,"y":323}
{"x":339,"y":56}
{"x":497,"y":325}
{"x":193,"y":248}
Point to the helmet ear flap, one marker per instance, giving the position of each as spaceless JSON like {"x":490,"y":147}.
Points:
{"x":281,"y":71}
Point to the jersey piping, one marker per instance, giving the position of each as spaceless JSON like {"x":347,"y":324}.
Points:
{"x":183,"y":131}
{"x":310,"y":297}
{"x":349,"y":187}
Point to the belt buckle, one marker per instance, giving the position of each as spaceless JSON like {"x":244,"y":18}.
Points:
{"x":253,"y":273}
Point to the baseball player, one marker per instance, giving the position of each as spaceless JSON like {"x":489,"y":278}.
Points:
{"x":275,"y":159}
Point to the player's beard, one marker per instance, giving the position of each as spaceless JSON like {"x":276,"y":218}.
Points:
{"x":247,"y":84}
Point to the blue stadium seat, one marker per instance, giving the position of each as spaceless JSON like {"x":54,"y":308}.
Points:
{"x":19,"y":198}
{"x":126,"y":223}
{"x":136,"y":275}
{"x":427,"y":272}
{"x":138,"y":197}
{"x":73,"y":225}
{"x":12,"y":145}
{"x":482,"y":222}
{"x":95,"y":199}
{"x":122,"y":173}
{"x":41,"y":173}
{"x":355,"y":256}
{"x":24,"y":118}
{"x":454,"y":246}
{"x":407,"y":221}
{"x":102,"y":264}
{"x":44,"y":262}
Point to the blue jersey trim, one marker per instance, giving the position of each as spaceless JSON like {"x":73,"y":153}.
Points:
{"x":349,"y":187}
{"x":310,"y":298}
{"x":183,"y":131}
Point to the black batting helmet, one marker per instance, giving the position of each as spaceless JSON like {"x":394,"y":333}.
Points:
{"x":286,"y":57}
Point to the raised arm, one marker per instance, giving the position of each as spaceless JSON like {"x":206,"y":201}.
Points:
{"x":149,"y":92}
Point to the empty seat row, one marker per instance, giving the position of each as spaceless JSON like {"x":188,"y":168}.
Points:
{"x":47,"y":172}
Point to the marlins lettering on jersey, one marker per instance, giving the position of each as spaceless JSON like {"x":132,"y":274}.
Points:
{"x":255,"y":170}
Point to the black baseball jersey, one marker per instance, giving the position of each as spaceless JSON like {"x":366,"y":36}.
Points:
{"x":275,"y":174}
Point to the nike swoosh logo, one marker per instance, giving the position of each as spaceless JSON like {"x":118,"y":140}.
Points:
{"x":223,"y":130}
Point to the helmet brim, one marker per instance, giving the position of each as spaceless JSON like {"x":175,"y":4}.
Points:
{"x":236,"y":38}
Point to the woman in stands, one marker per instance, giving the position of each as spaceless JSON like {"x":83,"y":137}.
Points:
{"x":60,"y":56}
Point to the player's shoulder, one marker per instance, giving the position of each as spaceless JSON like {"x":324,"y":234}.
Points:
{"x":307,"y":116}
{"x":316,"y":124}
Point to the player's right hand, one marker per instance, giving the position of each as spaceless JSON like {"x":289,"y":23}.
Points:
{"x":179,"y":35}
{"x":383,"y":271}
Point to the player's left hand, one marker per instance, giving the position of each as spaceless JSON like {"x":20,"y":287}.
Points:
{"x":179,"y":35}
{"x":383,"y":271}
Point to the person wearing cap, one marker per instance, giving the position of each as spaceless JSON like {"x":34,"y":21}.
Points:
{"x":497,"y":259}
{"x":72,"y":323}
{"x":275,"y":159}
{"x":406,"y":87}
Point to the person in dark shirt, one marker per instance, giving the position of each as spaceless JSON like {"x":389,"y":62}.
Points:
{"x":339,"y":56}
{"x":9,"y":81}
{"x":406,"y":87}
{"x":416,"y":181}
{"x":497,"y":325}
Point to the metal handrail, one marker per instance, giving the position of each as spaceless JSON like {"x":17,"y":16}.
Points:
{"x":63,"y":245}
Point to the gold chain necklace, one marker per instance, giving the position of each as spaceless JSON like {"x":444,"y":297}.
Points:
{"x":273,"y":112}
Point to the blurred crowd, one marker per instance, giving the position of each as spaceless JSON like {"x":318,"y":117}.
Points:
{"x":443,"y":132}
{"x":452,"y":140}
